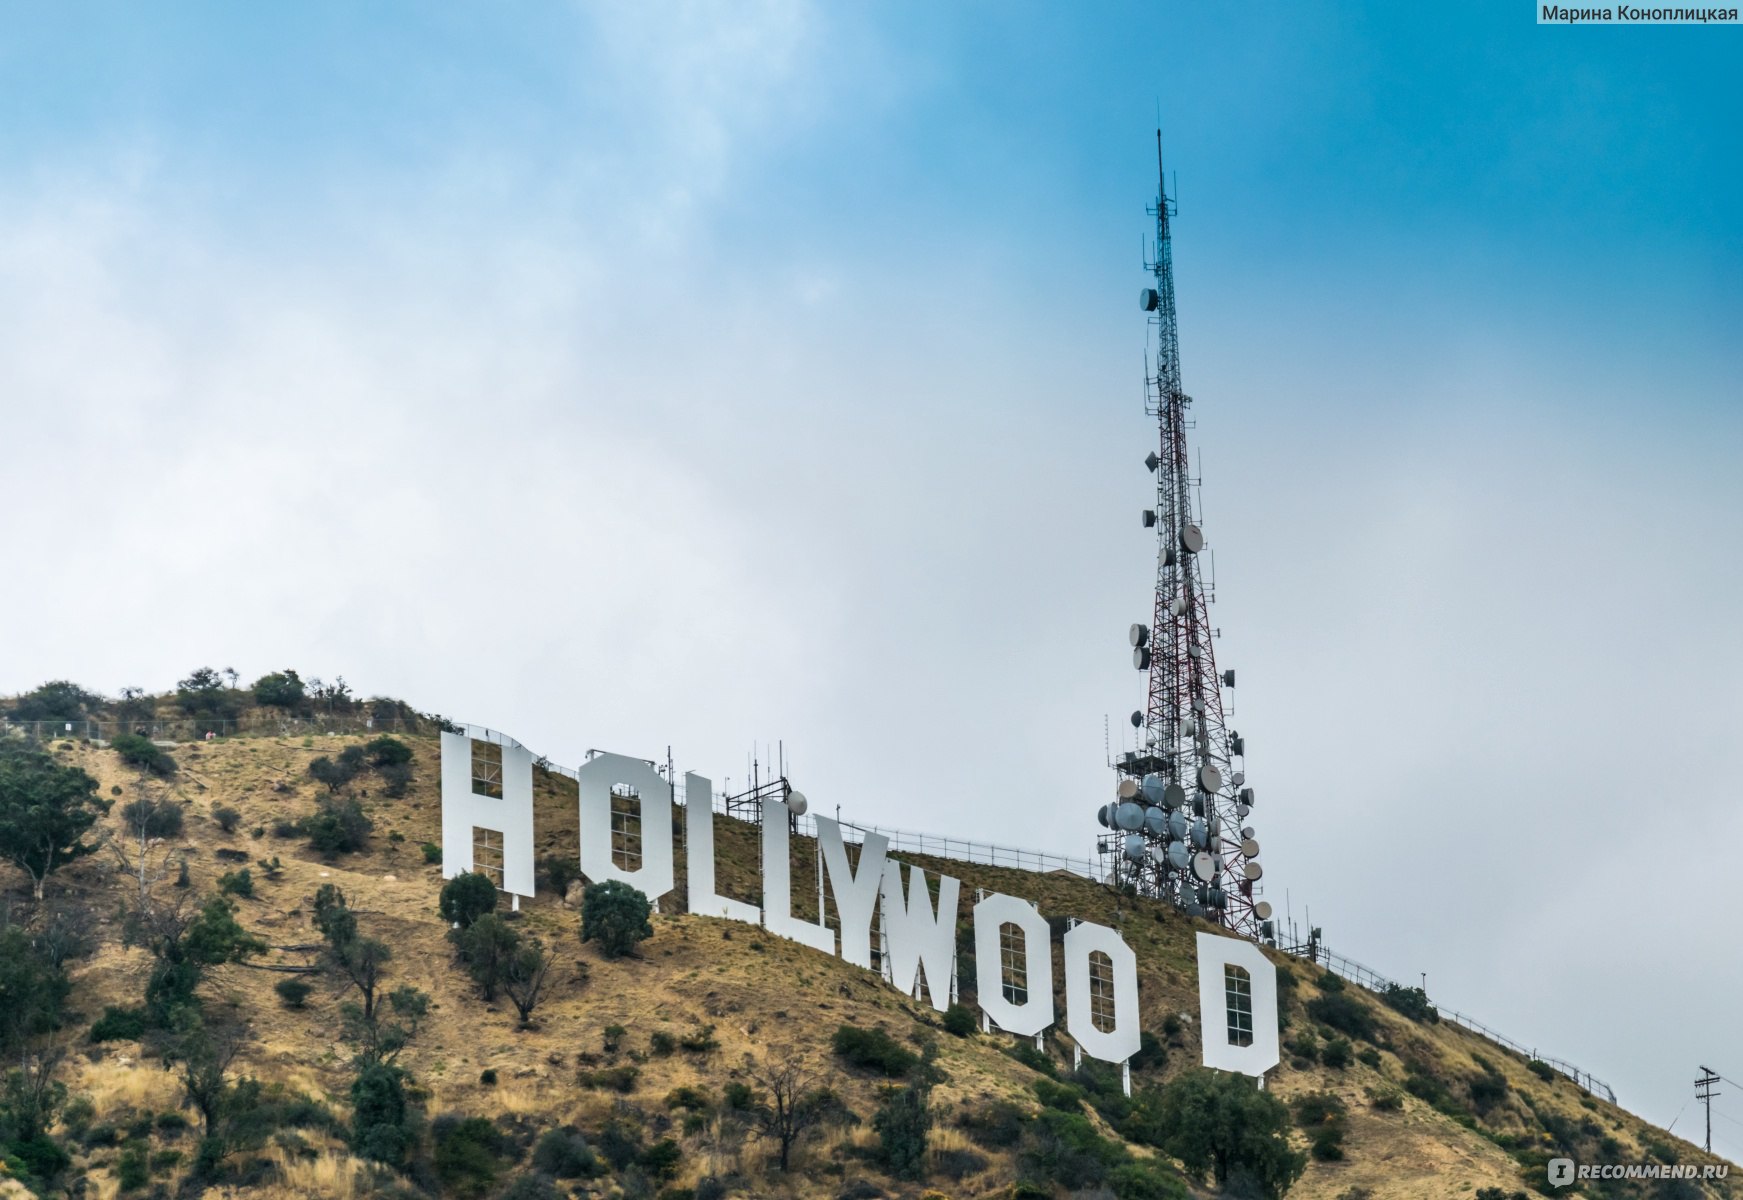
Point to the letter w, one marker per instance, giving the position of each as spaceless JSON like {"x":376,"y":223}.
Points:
{"x":917,"y":935}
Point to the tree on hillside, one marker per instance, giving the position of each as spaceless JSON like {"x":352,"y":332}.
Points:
{"x":56,"y":700}
{"x":466,"y":897}
{"x":1222,"y":1123}
{"x":281,"y":689}
{"x":615,"y":915}
{"x":203,"y":694}
{"x":793,"y":1102}
{"x":45,"y":811}
{"x":488,"y":947}
{"x":525,"y":976}
{"x":185,"y":943}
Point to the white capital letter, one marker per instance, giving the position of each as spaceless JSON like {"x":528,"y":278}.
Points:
{"x":856,"y":896}
{"x":1226,"y":966}
{"x":917,"y":935}
{"x":1122,"y":1041}
{"x":596,"y":778}
{"x":1035,"y":1013}
{"x":510,"y":814}
{"x":778,"y":915}
{"x":699,"y":855}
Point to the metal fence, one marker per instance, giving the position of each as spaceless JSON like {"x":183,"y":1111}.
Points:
{"x":1355,"y":972}
{"x":194,"y":729}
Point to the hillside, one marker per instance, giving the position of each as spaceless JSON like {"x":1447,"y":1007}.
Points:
{"x":650,"y":1044}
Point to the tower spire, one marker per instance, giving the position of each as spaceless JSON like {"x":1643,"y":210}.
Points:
{"x":1179,"y":822}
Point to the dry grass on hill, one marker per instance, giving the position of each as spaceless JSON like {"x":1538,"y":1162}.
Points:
{"x":759,"y":995}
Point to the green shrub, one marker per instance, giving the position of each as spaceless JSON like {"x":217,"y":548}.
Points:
{"x":1343,"y":1012}
{"x":339,"y":826}
{"x":564,"y":1154}
{"x":141,"y":752}
{"x":1336,"y":1053}
{"x":227,"y":818}
{"x":119,"y":1025}
{"x":1027,"y":1053}
{"x":958,"y":1021}
{"x":466,"y":897}
{"x":737,"y":1096}
{"x":1542,"y":1070}
{"x":615,"y":915}
{"x":1152,"y":1053}
{"x":661,"y":1159}
{"x":662,"y":1044}
{"x":466,"y":1155}
{"x":958,"y":1164}
{"x":132,"y":1172}
{"x":161,"y":818}
{"x":487,"y":1077}
{"x":293,"y":991}
{"x":903,"y":1122}
{"x":873,"y":1050}
{"x":432,"y":853}
{"x":1486,"y":1091}
{"x":379,"y":1127}
{"x":396,"y":780}
{"x":1061,"y":1096}
{"x":686,"y":1097}
{"x":285,"y":827}
{"x":237,"y":883}
{"x":334,"y":773}
{"x":1413,"y":1002}
{"x":612,"y":1038}
{"x":1142,"y":1181}
{"x":387,"y":751}
{"x":995,"y":1124}
{"x":1385,"y":1099}
{"x":1221,"y":1123}
{"x":611,"y":1079}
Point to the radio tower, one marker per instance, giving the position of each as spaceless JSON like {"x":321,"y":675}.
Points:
{"x":1179,"y":820}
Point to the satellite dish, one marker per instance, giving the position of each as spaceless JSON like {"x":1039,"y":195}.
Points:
{"x":1189,"y":726}
{"x":1149,"y":518}
{"x":1191,"y":539}
{"x":1177,"y":825}
{"x":1242,"y":810}
{"x":1254,"y":871}
{"x":1250,"y":847}
{"x":1155,"y":821}
{"x":1204,"y":866}
{"x":1141,"y":658}
{"x":797,"y":804}
{"x":1135,"y":847}
{"x":1148,"y":300}
{"x":1159,"y":855}
{"x":1128,"y":815}
{"x":1128,"y":789}
{"x":1177,"y":605}
{"x":1209,"y":778}
{"x":1198,"y":704}
{"x":1101,"y":814}
{"x":1173,"y":796}
{"x":1218,"y":897}
{"x":1179,"y":857}
{"x":1200,"y":835}
{"x":1154,"y":788}
{"x":1246,"y":831}
{"x":1138,"y":634}
{"x":1262,"y":910}
{"x":1229,"y":678}
{"x":1193,"y":651}
{"x":1247,"y":796}
{"x":1151,"y":461}
{"x":1238,"y":778}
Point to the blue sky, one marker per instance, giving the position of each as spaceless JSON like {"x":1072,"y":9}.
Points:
{"x":624,"y":375}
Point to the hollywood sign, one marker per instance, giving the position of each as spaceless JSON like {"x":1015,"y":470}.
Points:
{"x":487,"y":824}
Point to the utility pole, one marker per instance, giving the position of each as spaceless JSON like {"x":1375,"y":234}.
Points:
{"x":1705,"y":1093}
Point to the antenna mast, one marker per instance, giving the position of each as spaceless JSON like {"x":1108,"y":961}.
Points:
{"x":1178,"y":823}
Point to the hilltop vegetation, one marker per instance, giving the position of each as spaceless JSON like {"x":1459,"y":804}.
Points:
{"x":235,"y":971}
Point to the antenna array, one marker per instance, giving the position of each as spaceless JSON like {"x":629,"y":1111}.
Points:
{"x":1178,"y":824}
